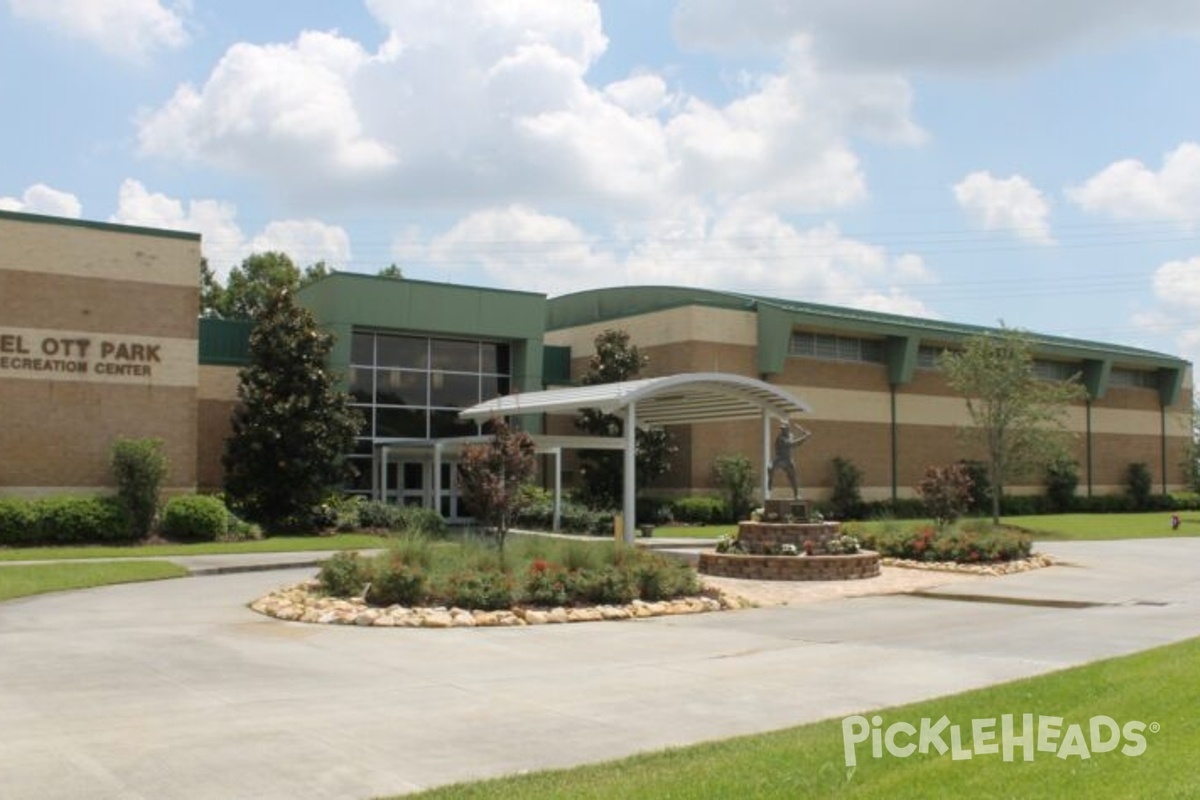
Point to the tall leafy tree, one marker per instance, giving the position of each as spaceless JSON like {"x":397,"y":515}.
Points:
{"x":292,"y":426}
{"x":615,"y":360}
{"x":212,"y":293}
{"x":1018,"y":417}
{"x":491,"y":477}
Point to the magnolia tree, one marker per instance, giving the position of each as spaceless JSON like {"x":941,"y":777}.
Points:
{"x":491,"y":476}
{"x":602,"y":471}
{"x":293,"y":425}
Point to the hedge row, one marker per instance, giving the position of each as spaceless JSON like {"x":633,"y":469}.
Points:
{"x":63,"y":520}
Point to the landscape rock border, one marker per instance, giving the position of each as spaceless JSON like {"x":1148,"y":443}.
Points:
{"x":1035,"y":561}
{"x":303,"y":602}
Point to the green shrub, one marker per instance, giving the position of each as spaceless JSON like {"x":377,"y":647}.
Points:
{"x":412,"y":549}
{"x":981,"y":487}
{"x":1138,"y":484}
{"x":380,"y":516}
{"x":486,"y":590}
{"x":1061,"y":481}
{"x":81,"y":520}
{"x":928,"y":543}
{"x":18,"y":522}
{"x":195,"y":518}
{"x":845,"y":501}
{"x":700,"y":510}
{"x":735,"y":475}
{"x":658,"y":578}
{"x":546,"y":584}
{"x":607,"y":585}
{"x":139,"y":468}
{"x":422,"y":521}
{"x":344,"y":575}
{"x":396,"y":582}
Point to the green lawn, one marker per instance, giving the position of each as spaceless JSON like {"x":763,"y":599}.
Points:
{"x":694,"y":531}
{"x":22,"y":580}
{"x":1159,"y":686}
{"x":1144,"y":525}
{"x":277,"y":544}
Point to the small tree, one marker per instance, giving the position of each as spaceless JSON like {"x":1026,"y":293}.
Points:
{"x":1061,"y":480}
{"x":1018,"y":417}
{"x":946,"y":491}
{"x":617,"y":360}
{"x":845,"y":501}
{"x":492,"y":478}
{"x":735,"y":475}
{"x":139,"y":468}
{"x":292,"y":427}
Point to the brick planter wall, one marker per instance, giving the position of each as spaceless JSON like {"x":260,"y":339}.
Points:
{"x":754,"y":535}
{"x":863,"y":564}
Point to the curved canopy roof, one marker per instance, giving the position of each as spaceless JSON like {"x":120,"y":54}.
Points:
{"x":669,"y":400}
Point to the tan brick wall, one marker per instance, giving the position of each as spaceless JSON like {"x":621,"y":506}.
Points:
{"x":98,"y":305}
{"x":61,"y":434}
{"x":132,"y":296}
{"x":217,"y":398}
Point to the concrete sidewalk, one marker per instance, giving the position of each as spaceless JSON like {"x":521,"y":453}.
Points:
{"x":175,"y":689}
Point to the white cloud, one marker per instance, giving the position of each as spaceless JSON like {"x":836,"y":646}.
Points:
{"x":286,"y":108}
{"x":221,"y":239}
{"x":41,"y":199}
{"x":1129,"y":190}
{"x":480,"y":104}
{"x":517,"y":247}
{"x":948,"y":35}
{"x":1176,"y":287}
{"x":130,"y":29}
{"x":306,"y":241}
{"x":1013,"y":204}
{"x":742,"y":249}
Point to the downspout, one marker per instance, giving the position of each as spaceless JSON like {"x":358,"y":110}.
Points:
{"x":1088,"y":442}
{"x":895,"y":448}
{"x":1162,"y":423}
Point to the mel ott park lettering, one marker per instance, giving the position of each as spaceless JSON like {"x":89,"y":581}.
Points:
{"x":20,"y":352}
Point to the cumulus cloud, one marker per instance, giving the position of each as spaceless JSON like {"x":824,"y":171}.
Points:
{"x":741,"y":249}
{"x":1176,"y":286}
{"x":129,"y":29}
{"x":282,"y":107}
{"x":307,"y":241}
{"x":947,"y":35}
{"x":1013,"y":204}
{"x":41,"y":199}
{"x":479,"y":104}
{"x":1130,"y":190}
{"x":221,"y":238}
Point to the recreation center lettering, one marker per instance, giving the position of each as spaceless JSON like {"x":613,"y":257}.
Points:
{"x":20,"y":352}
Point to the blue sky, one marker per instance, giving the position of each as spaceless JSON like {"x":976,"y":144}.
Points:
{"x":1020,"y":161}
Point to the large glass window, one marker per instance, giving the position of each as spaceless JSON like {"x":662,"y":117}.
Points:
{"x":414,"y":386}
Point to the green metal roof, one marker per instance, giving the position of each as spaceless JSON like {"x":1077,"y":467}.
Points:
{"x":44,"y":219}
{"x":602,"y":305}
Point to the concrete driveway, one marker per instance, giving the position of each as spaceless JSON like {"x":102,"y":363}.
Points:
{"x":176,"y":690}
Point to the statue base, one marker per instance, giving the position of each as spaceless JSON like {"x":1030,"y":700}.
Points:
{"x":785,"y":510}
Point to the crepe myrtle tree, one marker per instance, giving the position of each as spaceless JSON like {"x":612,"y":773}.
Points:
{"x":292,"y":426}
{"x":491,"y":476}
{"x":1018,"y":417}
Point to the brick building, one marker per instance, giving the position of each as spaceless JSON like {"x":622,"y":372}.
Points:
{"x":99,"y":340}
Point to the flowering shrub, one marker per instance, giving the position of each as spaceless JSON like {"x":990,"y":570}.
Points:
{"x":546,"y":584}
{"x":841,"y":545}
{"x":927,"y":543}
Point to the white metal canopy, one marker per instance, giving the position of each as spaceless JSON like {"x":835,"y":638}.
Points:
{"x":670,"y":400}
{"x":651,"y":402}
